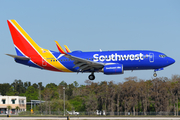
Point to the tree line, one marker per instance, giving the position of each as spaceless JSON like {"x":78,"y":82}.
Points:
{"x":160,"y":94}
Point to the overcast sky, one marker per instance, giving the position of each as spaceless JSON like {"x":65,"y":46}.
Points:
{"x":90,"y":26}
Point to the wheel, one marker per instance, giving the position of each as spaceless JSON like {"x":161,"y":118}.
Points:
{"x":155,"y":74}
{"x":91,"y":77}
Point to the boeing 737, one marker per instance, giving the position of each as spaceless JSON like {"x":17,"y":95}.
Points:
{"x":107,"y":62}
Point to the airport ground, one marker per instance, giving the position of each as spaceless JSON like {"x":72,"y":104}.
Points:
{"x":91,"y":118}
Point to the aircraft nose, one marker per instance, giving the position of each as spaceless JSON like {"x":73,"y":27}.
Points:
{"x":171,"y":61}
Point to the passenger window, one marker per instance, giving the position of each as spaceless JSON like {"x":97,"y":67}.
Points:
{"x":13,"y":101}
{"x":4,"y":101}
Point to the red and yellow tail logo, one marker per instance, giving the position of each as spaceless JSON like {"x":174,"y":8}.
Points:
{"x":25,"y":46}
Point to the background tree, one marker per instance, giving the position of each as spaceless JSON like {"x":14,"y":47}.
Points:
{"x":134,"y":95}
{"x":11,"y":91}
{"x":78,"y":104}
{"x":9,"y":109}
{"x":17,"y":109}
{"x":118,"y":97}
{"x":91,"y":103}
{"x":47,"y":94}
{"x":4,"y":88}
{"x":19,"y":87}
{"x":31,"y":94}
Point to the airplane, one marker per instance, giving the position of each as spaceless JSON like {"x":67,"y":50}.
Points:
{"x":107,"y":62}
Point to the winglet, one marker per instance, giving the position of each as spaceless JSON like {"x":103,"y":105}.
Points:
{"x":67,"y":49}
{"x":60,"y":48}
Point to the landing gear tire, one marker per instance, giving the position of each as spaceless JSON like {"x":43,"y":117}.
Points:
{"x":91,"y":77}
{"x":155,"y":74}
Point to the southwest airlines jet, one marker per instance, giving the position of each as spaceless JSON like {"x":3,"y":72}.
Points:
{"x":107,"y":62}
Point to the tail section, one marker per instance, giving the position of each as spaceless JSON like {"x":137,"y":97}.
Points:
{"x":29,"y":53}
{"x":23,"y":43}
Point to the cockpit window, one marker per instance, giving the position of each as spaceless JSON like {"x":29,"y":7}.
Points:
{"x":162,"y":56}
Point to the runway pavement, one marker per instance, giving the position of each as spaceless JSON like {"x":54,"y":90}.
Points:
{"x":90,"y":118}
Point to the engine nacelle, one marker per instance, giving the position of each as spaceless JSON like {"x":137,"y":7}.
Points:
{"x":113,"y":69}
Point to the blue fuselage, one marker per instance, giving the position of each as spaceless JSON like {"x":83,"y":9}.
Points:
{"x":130,"y":59}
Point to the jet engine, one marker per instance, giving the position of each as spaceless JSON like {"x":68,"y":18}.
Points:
{"x":113,"y":69}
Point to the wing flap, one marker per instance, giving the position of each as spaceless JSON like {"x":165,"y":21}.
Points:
{"x":78,"y":65}
{"x":85,"y":64}
{"x":83,"y":67}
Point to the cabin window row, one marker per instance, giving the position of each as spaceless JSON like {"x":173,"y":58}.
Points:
{"x":99,"y":58}
{"x":61,"y":60}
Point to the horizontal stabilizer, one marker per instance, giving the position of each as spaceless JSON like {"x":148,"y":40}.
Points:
{"x":18,"y":57}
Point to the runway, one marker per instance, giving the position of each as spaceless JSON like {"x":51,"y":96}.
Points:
{"x":90,"y":118}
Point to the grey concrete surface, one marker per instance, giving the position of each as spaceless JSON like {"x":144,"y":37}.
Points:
{"x":90,"y":118}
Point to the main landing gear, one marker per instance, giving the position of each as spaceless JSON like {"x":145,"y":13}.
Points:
{"x":91,"y":76}
{"x":155,"y":74}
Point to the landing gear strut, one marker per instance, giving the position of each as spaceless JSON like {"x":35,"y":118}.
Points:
{"x":155,"y":74}
{"x":91,"y":76}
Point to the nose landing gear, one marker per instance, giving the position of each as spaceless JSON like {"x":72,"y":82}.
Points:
{"x":91,"y":76}
{"x":155,"y":70}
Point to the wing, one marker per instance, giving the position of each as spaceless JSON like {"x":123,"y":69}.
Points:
{"x":83,"y":64}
